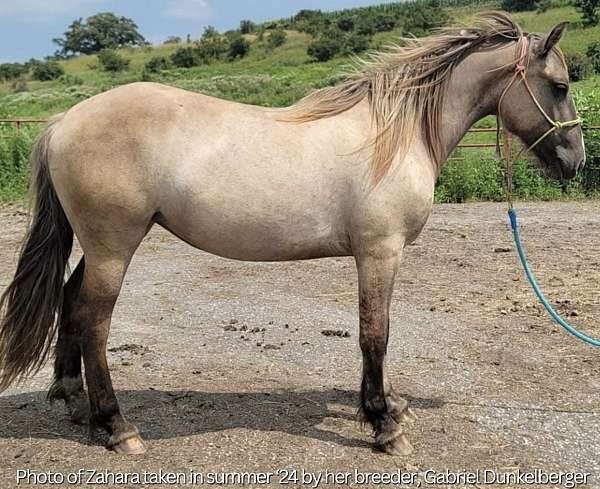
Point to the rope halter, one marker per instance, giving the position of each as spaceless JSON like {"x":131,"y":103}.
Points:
{"x":521,"y":72}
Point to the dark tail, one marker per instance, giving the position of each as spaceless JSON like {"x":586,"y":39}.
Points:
{"x":31,"y":305}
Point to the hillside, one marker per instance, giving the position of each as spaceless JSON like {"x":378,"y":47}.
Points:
{"x":266,"y":77}
{"x":282,"y":75}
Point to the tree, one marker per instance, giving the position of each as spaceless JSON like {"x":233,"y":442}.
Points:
{"x":50,"y":70}
{"x":101,"y":31}
{"x":112,"y":61}
{"x":173,"y":40}
{"x":308,"y":16}
{"x":239,"y":47}
{"x":423,"y":19}
{"x":544,"y":5}
{"x":210,"y":32}
{"x":589,"y":11}
{"x":384,"y":22}
{"x":246,"y":26}
{"x":519,"y":5}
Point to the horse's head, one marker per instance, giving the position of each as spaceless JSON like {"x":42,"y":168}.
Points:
{"x":538,"y":106}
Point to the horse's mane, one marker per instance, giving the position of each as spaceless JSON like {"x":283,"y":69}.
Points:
{"x":406,"y":86}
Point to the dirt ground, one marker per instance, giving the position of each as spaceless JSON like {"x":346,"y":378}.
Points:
{"x":224,"y":366}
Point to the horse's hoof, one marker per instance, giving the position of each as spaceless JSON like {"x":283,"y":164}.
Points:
{"x":79,"y":416}
{"x":395,"y":446}
{"x":131,"y":446}
{"x":408,"y":416}
{"x":399,"y":410}
{"x":79,"y":411}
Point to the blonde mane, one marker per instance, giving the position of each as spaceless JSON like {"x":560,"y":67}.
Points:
{"x":406,"y":87}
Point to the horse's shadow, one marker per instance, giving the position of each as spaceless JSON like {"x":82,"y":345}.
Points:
{"x":173,"y":414}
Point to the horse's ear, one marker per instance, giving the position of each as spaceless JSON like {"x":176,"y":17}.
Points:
{"x":554,"y":37}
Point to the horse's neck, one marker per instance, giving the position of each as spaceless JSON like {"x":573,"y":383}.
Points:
{"x":473,"y":93}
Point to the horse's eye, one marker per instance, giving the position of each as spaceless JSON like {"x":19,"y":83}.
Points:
{"x":561,"y":87}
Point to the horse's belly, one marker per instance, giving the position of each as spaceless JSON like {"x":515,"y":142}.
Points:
{"x":257,"y":234}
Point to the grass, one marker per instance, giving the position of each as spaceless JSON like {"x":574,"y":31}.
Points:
{"x":14,"y":170}
{"x":577,"y":39}
{"x":280,"y":77}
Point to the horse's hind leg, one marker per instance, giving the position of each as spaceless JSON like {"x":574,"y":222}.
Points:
{"x":68,"y":383}
{"x":106,"y":261}
{"x":379,"y":405}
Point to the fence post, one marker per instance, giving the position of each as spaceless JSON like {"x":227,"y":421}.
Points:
{"x":507,"y":144}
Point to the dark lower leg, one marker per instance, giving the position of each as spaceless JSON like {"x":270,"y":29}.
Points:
{"x":96,"y":302}
{"x":383,"y":409}
{"x":68,"y":383}
{"x":379,"y":406}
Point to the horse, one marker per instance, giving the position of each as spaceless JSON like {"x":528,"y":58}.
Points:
{"x":349,"y":170}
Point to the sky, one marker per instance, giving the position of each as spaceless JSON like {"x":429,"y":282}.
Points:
{"x":27,"y":27}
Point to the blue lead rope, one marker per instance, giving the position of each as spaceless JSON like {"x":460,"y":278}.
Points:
{"x":512,"y":213}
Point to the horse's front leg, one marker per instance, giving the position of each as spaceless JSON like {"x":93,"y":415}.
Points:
{"x":377,"y":266}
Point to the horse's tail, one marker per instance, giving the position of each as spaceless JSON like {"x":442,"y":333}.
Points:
{"x":30,"y":307}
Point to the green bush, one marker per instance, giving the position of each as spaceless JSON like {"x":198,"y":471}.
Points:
{"x":158,"y":64}
{"x":213,"y":47}
{"x":12,"y":71}
{"x":276,"y":38}
{"x":365,"y":27}
{"x":14,"y":168}
{"x":355,"y":43}
{"x":324,"y":49}
{"x":112,"y":61}
{"x":475,"y":177}
{"x":588,"y":106}
{"x":590,"y":11}
{"x":20,"y":86}
{"x":186,"y":57}
{"x":70,"y":80}
{"x":239,"y":47}
{"x":50,"y":70}
{"x":579,"y":66}
{"x":346,"y":24}
{"x":593,"y":53}
{"x":470,"y":178}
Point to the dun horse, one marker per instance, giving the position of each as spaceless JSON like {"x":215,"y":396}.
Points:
{"x":348,"y":171}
